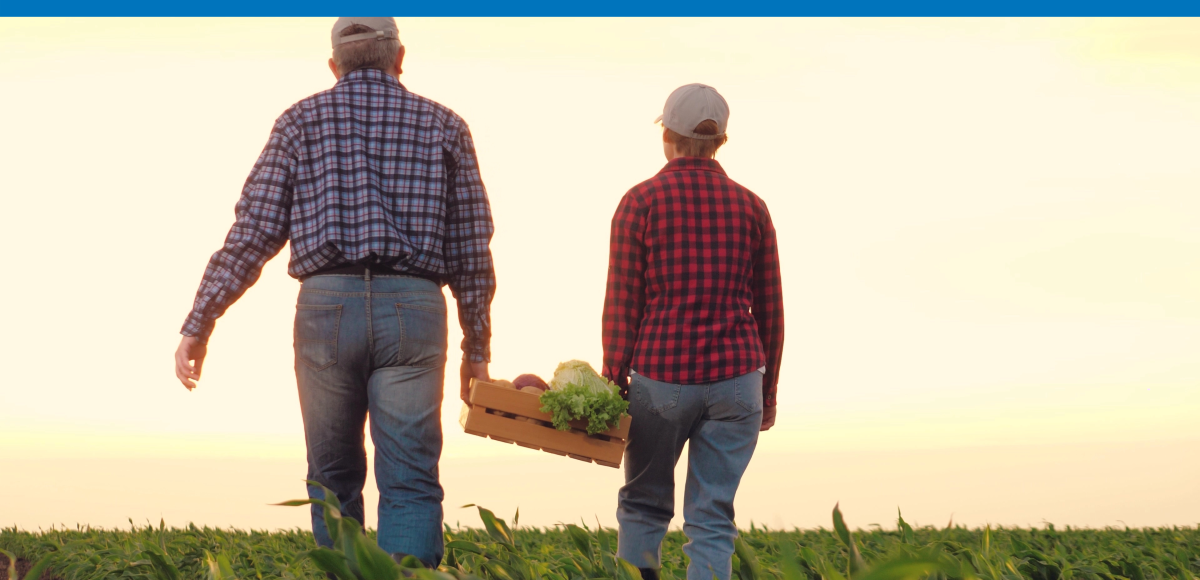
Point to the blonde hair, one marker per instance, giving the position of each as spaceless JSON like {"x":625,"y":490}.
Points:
{"x":365,"y":54}
{"x":689,"y":147}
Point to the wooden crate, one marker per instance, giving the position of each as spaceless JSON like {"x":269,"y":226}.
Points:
{"x":511,"y":416}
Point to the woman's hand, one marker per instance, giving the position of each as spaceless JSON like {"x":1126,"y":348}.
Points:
{"x":768,"y":420}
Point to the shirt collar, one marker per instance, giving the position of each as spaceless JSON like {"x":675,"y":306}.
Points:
{"x":693,"y":164}
{"x":369,"y":75}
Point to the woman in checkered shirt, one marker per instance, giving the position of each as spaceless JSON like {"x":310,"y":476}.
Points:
{"x":693,"y":333}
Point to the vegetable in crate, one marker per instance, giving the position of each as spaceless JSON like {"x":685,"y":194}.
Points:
{"x":528,"y":380}
{"x":507,"y":385}
{"x":577,"y":392}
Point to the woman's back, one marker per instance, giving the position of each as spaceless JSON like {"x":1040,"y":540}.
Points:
{"x":687,"y":245}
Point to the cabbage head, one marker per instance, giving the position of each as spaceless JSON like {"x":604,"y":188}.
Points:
{"x":578,"y":393}
{"x":577,"y":372}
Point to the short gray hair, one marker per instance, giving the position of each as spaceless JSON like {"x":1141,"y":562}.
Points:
{"x":365,"y":54}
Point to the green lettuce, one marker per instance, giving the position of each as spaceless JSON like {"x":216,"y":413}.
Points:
{"x":578,"y":392}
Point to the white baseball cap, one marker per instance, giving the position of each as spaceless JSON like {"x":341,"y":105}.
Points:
{"x":383,"y":27}
{"x":690,"y":105}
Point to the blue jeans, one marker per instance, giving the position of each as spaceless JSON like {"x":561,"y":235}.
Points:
{"x":721,"y":422}
{"x":375,"y":347}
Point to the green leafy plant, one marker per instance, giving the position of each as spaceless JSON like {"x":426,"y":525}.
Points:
{"x":601,"y":409}
{"x":353,"y":556}
{"x":497,"y":556}
{"x":218,"y":567}
{"x":577,"y":392}
{"x":494,"y":550}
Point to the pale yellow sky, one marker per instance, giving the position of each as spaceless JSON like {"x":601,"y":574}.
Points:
{"x":988,"y":228}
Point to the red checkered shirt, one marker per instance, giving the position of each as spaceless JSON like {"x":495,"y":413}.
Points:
{"x":694,"y":293}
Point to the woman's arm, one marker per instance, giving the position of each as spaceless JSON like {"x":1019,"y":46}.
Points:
{"x":768,"y":305}
{"x":625,"y":298}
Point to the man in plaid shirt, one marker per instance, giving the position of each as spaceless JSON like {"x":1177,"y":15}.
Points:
{"x":693,"y":331}
{"x":378,"y":191}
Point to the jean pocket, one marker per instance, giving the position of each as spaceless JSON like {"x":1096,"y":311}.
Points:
{"x":654,"y":396}
{"x":747,"y":391}
{"x":423,"y":332}
{"x":316,"y":334}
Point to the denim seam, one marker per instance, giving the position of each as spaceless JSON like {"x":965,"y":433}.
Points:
{"x":337,"y":328}
{"x":643,"y":394}
{"x":403,"y":335}
{"x":319,"y":306}
{"x":741,"y":398}
{"x":370,"y":327}
{"x":640,"y":393}
{"x":433,"y":309}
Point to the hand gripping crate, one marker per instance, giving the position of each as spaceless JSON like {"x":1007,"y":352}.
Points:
{"x":510,"y":416}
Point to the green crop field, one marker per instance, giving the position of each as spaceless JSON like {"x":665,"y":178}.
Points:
{"x":498,"y":551}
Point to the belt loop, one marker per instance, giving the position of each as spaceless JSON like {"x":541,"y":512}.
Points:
{"x":367,"y":274}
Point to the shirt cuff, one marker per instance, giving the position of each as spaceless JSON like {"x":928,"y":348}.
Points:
{"x":617,"y":374}
{"x":769,"y":397}
{"x":195,"y":326}
{"x":476,"y":351}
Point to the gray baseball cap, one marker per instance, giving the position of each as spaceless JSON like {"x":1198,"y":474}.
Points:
{"x":384,"y":28}
{"x":690,"y":105}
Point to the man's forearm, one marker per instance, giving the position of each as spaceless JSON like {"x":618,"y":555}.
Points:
{"x":474,"y":296}
{"x":261,"y":229}
{"x":476,"y":350}
{"x":230,"y":272}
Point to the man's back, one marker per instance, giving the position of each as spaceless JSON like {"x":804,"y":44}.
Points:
{"x":363,"y":173}
{"x":376,"y":170}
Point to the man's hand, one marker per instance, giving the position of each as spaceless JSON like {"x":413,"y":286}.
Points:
{"x":190,"y":349}
{"x":468,"y":371}
{"x":768,"y":420}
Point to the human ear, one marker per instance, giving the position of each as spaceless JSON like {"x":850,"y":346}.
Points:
{"x":399,"y":70}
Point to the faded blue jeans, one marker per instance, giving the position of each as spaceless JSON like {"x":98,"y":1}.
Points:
{"x":720,"y":422}
{"x":375,"y":346}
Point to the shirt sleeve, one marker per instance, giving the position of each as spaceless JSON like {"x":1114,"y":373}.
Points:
{"x":625,"y":296}
{"x":768,"y":306}
{"x":260,"y":229}
{"x":468,"y":254}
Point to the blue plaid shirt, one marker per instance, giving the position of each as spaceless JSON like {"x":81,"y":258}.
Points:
{"x":363,"y":172}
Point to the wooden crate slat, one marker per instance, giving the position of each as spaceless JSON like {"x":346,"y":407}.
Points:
{"x":494,"y":396}
{"x":547,"y":438}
